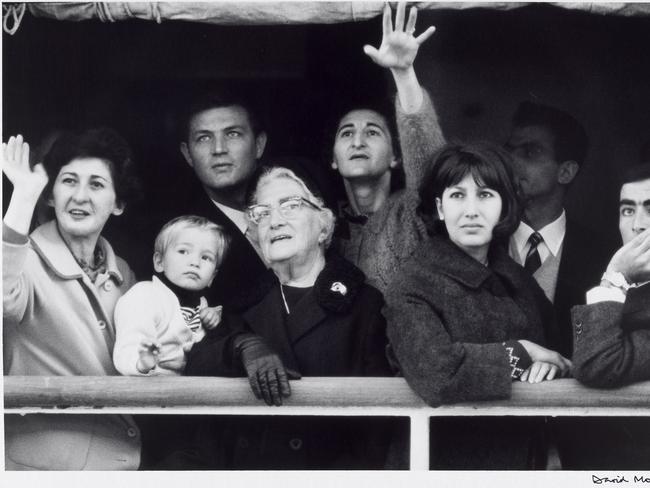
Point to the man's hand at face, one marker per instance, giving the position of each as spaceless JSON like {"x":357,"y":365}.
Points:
{"x":633,"y":259}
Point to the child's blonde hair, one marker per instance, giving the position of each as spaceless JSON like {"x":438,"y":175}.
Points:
{"x":176,"y":225}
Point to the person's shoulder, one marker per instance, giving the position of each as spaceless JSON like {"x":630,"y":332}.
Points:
{"x":141,"y":290}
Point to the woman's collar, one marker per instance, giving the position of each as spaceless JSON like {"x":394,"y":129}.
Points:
{"x":50,"y":246}
{"x":335,"y":288}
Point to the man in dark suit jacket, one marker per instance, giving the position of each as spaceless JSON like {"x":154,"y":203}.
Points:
{"x":548,"y":147}
{"x":612,"y":333}
{"x":223,"y":142}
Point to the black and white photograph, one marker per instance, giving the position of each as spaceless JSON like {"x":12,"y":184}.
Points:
{"x":326,"y":243}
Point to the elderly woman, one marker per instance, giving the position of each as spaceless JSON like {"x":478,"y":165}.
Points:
{"x":314,"y":316}
{"x":464,"y":320}
{"x":60,"y":286}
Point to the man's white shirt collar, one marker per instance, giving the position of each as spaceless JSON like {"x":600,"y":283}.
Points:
{"x":552,"y":233}
{"x":237,"y":216}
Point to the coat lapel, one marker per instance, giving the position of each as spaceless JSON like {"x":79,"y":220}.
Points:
{"x":266,"y":319}
{"x":306,"y":315}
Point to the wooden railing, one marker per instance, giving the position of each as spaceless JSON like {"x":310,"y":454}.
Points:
{"x":310,"y":396}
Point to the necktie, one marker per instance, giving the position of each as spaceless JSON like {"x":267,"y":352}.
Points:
{"x":533,"y":261}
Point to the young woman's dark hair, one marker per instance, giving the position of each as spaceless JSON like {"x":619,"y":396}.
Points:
{"x":488,"y":164}
{"x":102,"y":143}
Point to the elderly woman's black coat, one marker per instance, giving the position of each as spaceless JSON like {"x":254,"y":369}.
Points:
{"x":448,"y":316}
{"x":336,"y":329}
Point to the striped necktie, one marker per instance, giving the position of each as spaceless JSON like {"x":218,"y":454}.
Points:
{"x":533,"y":261}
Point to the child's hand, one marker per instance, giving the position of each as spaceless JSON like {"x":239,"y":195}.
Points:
{"x":149,"y":351}
{"x":210,"y":316}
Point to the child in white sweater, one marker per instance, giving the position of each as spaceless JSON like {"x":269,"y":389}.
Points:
{"x":157,"y":322}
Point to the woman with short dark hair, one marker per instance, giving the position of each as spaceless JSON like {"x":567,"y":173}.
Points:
{"x":464,"y":319}
{"x":60,"y":286}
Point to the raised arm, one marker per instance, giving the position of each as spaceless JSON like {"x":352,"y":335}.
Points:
{"x":419,"y":130}
{"x":612,"y":337}
{"x":28,"y":184}
{"x":612,"y":341}
{"x":397,"y":52}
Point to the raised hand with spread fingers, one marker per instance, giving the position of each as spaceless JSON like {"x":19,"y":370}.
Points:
{"x":397,"y":52}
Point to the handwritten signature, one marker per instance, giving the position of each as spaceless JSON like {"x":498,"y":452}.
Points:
{"x":599,"y":480}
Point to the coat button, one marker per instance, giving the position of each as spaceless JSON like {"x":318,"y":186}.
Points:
{"x":101,"y":324}
{"x":242,"y":442}
{"x":108,"y":286}
{"x":578,"y":327}
{"x":295,"y":443}
{"x":131,"y":432}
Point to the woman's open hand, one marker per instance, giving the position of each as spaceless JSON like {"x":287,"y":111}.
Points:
{"x":541,"y":356}
{"x":15,"y":165}
{"x":540,"y":371}
{"x":399,"y":46}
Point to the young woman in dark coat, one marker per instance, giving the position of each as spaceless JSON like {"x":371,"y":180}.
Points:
{"x":312,"y":315}
{"x":464,"y":320}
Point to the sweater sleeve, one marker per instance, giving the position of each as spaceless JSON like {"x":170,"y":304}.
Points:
{"x":606,"y":354}
{"x":17,"y":287}
{"x":420,"y":137}
{"x":438,"y":368}
{"x":137,"y":317}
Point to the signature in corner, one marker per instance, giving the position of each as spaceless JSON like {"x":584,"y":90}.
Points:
{"x":598,"y":480}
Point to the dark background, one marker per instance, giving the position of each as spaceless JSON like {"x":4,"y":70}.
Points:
{"x":478,"y":65}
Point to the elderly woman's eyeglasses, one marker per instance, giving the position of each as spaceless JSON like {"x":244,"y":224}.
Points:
{"x":288,"y":208}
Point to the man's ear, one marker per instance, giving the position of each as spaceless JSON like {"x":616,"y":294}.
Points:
{"x":567,"y":172}
{"x":441,"y":215}
{"x":260,"y":144}
{"x":335,"y":166}
{"x":185,"y":151}
{"x":157,"y":262}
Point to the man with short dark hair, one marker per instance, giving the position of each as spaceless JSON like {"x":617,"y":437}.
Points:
{"x":223,"y":141}
{"x":612,"y":332}
{"x":548,"y":148}
{"x":612,"y":336}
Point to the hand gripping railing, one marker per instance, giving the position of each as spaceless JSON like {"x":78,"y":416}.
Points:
{"x":310,"y":396}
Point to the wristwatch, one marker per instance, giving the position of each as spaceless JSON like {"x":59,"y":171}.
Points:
{"x":616,"y":279}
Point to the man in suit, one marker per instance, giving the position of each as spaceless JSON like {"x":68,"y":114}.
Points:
{"x":548,"y":147}
{"x":223,"y":142}
{"x":612,"y":333}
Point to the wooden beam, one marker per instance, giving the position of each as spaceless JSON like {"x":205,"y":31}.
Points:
{"x":362,"y":396}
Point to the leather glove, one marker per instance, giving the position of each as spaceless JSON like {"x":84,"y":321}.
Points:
{"x":268,"y":377}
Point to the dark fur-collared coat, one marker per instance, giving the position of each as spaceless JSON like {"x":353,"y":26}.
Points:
{"x":336,"y":329}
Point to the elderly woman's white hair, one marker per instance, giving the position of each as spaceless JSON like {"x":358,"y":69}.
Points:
{"x":325,"y":215}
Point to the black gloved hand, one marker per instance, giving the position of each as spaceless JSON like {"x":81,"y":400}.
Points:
{"x":268,"y":377}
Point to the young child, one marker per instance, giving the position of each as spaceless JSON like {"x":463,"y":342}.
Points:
{"x":157,"y":322}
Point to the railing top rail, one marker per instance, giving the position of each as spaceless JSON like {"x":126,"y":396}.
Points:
{"x":67,"y":392}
